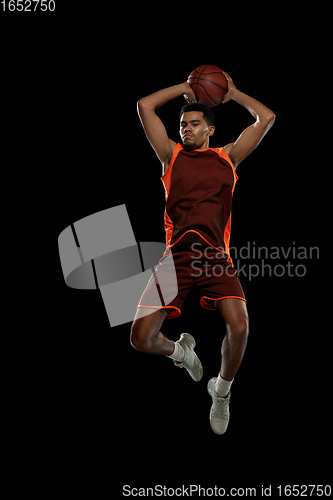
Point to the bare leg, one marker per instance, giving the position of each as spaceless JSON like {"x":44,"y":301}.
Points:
{"x":234,"y":314}
{"x":146,"y":335}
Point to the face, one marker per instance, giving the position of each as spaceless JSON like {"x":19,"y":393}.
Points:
{"x":194,"y":130}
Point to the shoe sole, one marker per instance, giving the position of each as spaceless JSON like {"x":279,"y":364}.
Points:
{"x":216,"y":433}
{"x":209,"y":389}
{"x":201,"y":368}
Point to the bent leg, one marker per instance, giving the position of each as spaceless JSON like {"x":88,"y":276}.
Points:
{"x":146,"y":335}
{"x":235,"y":317}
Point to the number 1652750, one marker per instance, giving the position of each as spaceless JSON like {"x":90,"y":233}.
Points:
{"x":28,"y":5}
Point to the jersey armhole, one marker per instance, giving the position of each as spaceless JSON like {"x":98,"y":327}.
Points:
{"x":166,"y":177}
{"x":223,"y":154}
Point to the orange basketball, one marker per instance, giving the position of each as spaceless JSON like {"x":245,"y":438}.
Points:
{"x":209,"y":84}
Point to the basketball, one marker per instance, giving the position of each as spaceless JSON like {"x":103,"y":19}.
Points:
{"x":208,"y":84}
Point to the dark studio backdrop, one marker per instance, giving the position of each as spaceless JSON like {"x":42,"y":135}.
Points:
{"x":159,"y":414}
{"x":124,"y":417}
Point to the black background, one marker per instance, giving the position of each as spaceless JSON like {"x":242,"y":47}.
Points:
{"x":112,"y":416}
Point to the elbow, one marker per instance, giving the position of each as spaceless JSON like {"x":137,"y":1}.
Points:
{"x":270,"y":118}
{"x":143,"y":105}
{"x":267,"y":120}
{"x":140,"y":105}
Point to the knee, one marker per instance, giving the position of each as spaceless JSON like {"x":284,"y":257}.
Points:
{"x":139,"y":338}
{"x":239,"y":330}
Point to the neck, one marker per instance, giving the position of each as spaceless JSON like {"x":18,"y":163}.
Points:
{"x":204,"y":145}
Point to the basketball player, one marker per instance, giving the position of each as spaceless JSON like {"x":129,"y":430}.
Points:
{"x":199,"y":182}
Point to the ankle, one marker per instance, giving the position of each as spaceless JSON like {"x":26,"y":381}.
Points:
{"x":178,"y":353}
{"x":222,"y":387}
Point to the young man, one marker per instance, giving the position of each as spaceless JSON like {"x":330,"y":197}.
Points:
{"x":199,"y":182}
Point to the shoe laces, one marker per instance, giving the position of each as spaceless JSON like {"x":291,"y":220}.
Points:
{"x":185,"y":363}
{"x":220,"y":408}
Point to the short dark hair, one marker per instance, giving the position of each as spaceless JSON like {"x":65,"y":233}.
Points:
{"x":196,"y":106}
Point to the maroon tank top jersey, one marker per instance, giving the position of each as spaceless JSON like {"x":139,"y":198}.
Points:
{"x":199,"y":186}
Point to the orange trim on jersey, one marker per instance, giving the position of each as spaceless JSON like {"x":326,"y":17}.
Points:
{"x":172,"y":315}
{"x":221,"y":152}
{"x":166,"y":178}
{"x":168,"y":226}
{"x":226,"y":234}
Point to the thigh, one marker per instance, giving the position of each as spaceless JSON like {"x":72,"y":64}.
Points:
{"x":169,"y":285}
{"x":147,"y":323}
{"x":217,"y":280}
{"x":233,"y":312}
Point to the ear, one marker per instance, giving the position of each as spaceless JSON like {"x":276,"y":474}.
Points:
{"x":211,"y":130}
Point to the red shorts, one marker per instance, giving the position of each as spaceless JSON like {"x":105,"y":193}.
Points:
{"x":188,"y":266}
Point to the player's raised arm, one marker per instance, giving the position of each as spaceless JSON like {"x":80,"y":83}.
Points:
{"x":152,"y":124}
{"x":251,"y":136}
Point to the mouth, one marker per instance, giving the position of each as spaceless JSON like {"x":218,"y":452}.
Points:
{"x":187,"y":136}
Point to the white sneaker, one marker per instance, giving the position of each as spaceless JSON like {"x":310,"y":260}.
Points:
{"x":219,"y":412}
{"x":191,"y":362}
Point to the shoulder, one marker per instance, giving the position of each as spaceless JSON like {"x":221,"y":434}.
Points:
{"x":228,"y":147}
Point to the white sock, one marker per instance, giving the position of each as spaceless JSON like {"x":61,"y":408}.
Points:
{"x":222,"y":387}
{"x":178,"y":353}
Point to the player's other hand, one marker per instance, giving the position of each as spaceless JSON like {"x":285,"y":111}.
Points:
{"x":189,"y":95}
{"x":231,"y":88}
